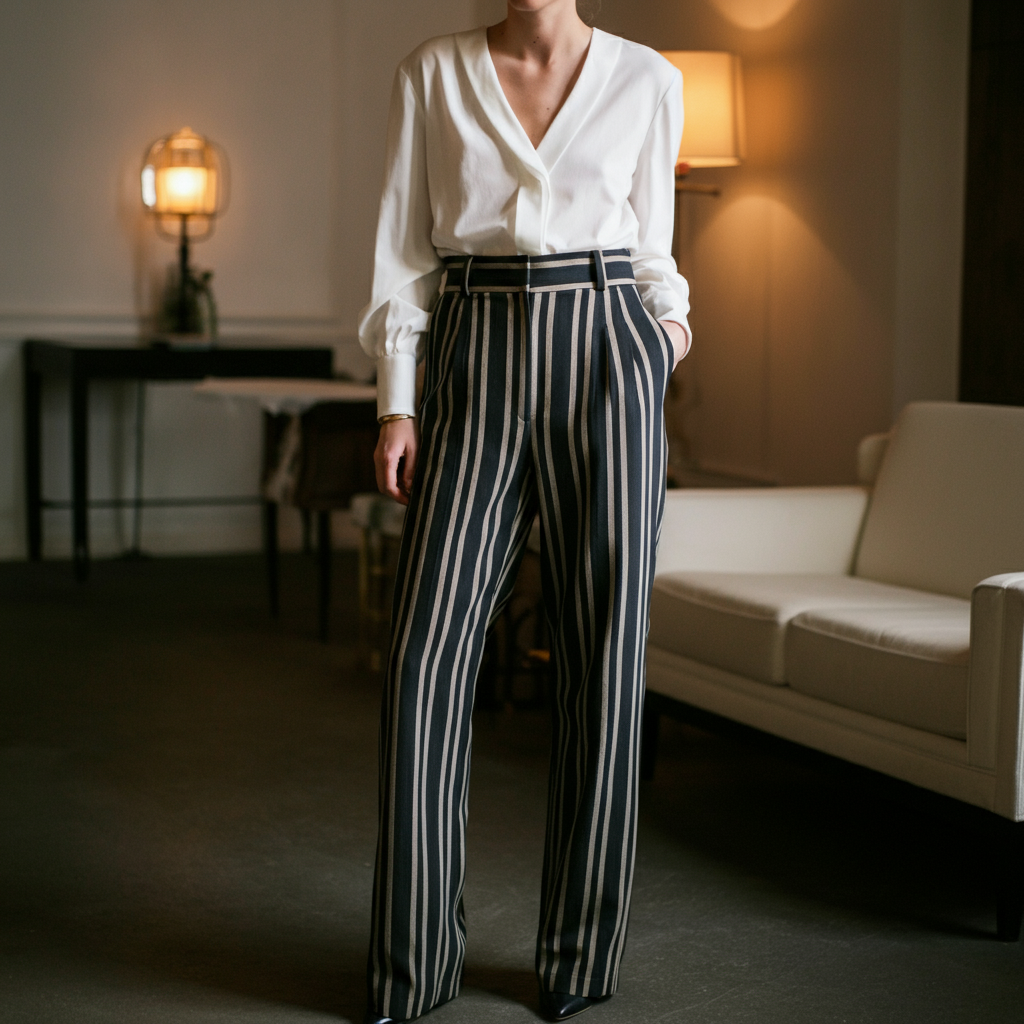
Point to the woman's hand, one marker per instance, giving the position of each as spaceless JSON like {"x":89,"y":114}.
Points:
{"x":678,"y":336}
{"x":395,"y":458}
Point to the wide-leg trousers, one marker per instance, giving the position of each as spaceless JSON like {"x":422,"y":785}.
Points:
{"x":544,"y":384}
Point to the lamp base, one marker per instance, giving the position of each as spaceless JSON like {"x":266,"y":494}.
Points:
{"x":187,"y":307}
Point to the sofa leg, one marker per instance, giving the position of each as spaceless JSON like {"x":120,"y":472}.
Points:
{"x":1009,"y":879}
{"x":649,"y":738}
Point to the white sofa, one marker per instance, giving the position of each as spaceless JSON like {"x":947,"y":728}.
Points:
{"x":882,"y":624}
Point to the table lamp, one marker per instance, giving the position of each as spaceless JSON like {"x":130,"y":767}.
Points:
{"x":714,"y":131}
{"x":185,"y":187}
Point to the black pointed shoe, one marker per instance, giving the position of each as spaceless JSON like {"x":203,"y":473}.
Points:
{"x":375,"y":1018}
{"x":560,"y":1006}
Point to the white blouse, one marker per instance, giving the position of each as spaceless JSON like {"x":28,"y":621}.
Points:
{"x":461,"y":176}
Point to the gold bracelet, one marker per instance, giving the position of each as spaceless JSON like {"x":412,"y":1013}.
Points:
{"x":392,"y":416}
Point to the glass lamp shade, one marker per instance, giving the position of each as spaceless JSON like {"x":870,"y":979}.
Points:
{"x":713,"y":130}
{"x":184,"y":183}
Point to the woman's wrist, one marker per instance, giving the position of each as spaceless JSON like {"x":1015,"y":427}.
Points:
{"x":678,"y":336}
{"x":393,"y":417}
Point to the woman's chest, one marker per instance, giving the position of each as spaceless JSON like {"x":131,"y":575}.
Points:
{"x":536,"y":95}
{"x":474,"y":139}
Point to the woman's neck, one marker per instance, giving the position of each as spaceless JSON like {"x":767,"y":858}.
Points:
{"x":540,"y":33}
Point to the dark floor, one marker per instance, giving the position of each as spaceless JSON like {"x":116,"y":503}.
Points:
{"x":187,"y":801}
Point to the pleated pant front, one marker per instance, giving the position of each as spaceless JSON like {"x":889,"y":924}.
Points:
{"x":543,"y":391}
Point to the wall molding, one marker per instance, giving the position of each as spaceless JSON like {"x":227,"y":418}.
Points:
{"x":24,"y":324}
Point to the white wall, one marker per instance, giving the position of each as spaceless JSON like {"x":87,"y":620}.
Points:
{"x":934,"y":37}
{"x":825,"y":280}
{"x":296,"y":93}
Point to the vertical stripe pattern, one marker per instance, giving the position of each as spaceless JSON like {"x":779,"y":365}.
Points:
{"x":543,"y":392}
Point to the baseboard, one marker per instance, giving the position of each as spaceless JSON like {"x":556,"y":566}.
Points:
{"x":16,"y":325}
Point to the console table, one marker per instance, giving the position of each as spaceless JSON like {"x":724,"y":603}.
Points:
{"x":79,"y":364}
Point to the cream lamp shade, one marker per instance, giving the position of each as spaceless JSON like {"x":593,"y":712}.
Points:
{"x":713,"y":128}
{"x":184,"y":179}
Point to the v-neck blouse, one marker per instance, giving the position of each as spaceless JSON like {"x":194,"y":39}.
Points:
{"x":462,"y":176}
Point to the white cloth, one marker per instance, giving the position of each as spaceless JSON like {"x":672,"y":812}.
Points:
{"x":461,"y":176}
{"x":292,"y":395}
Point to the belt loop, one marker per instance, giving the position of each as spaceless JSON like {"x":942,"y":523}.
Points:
{"x":527,"y":287}
{"x":465,"y":276}
{"x":598,"y":258}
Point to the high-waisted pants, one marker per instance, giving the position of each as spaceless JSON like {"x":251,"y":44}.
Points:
{"x":543,"y":391}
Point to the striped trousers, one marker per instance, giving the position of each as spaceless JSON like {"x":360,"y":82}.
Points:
{"x":544,"y":384}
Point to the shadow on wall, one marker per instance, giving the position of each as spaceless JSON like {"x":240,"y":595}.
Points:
{"x":792,"y":270}
{"x":825,"y":281}
{"x":754,"y":14}
{"x":787,"y":340}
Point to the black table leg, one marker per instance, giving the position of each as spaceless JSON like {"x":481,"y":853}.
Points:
{"x":33,"y":427}
{"x":323,"y":537}
{"x":80,"y":473}
{"x":307,"y":532}
{"x":270,"y":552}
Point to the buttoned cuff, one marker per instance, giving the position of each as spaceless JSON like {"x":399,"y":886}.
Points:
{"x":396,"y":385}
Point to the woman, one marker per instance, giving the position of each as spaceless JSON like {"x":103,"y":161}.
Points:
{"x":523,"y":250}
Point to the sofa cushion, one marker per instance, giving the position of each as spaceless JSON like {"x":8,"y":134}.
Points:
{"x":949,"y":500}
{"x":906,"y":665}
{"x":737,"y":621}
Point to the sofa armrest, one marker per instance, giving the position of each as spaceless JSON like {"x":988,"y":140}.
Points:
{"x":765,"y":529}
{"x":994,"y":715}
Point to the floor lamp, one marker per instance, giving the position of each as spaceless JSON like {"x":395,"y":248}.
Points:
{"x":714,"y":133}
{"x":713,"y":136}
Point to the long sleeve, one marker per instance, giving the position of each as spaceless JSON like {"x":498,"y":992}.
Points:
{"x":406,"y":269}
{"x":662,"y":289}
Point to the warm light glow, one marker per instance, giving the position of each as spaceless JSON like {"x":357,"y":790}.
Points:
{"x":182,"y":177}
{"x":713,"y":132}
{"x":148,"y":187}
{"x":183,"y":189}
{"x":754,"y":14}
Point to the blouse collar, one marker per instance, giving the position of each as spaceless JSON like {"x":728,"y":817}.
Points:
{"x":594,"y":76}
